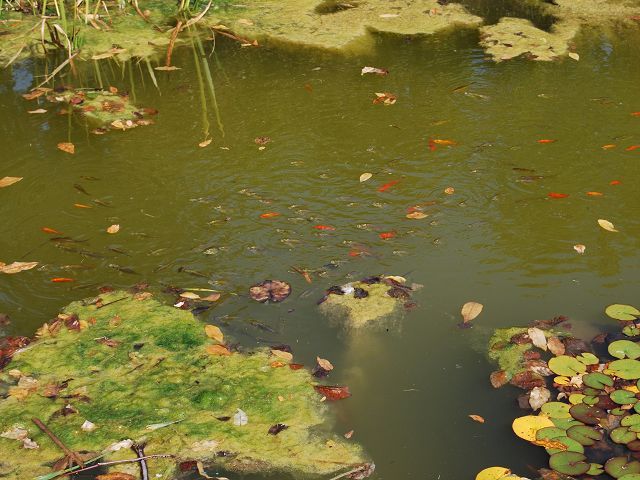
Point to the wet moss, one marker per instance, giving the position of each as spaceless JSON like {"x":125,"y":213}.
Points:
{"x":508,"y":356}
{"x":123,"y":390}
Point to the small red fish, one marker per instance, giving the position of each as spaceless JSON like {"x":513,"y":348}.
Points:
{"x":387,"y":235}
{"x":387,"y":186}
{"x":323,"y":227}
{"x":632,"y":148}
{"x":615,"y":182}
{"x":595,"y":194}
{"x":557,"y":195}
{"x":50,"y":230}
{"x":635,"y":114}
{"x":270,"y":215}
{"x":432,"y":145}
{"x":62,"y":280}
{"x":546,"y":140}
{"x":355,"y":253}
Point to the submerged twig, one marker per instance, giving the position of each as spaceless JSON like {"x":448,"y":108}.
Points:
{"x":76,"y":458}
{"x":172,"y":42}
{"x":144,"y":470}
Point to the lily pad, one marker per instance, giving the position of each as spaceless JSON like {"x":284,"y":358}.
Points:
{"x":630,"y":476}
{"x":566,"y":365}
{"x":587,"y":414}
{"x":556,"y":409}
{"x":550,"y":433}
{"x":588,"y":358}
{"x":526,"y":427}
{"x":631,"y":330}
{"x":626,"y":369}
{"x":595,"y":469}
{"x":622,"y":435}
{"x":493,"y":473}
{"x":569,"y":463}
{"x":586,"y":436}
{"x":624,"y":349}
{"x":597,"y":380}
{"x":630,"y":420}
{"x":623,"y":397}
{"x":619,"y":466}
{"x":567,"y":444}
{"x":622,"y":312}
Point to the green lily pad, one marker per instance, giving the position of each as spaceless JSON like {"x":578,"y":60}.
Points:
{"x":588,"y":358}
{"x":595,"y":469}
{"x":627,"y":369}
{"x":584,"y":435}
{"x":618,"y":412}
{"x":622,"y":435}
{"x":634,"y":428}
{"x":591,"y":392}
{"x":565,"y":423}
{"x":636,"y":407}
{"x":623,"y":397}
{"x":597,"y":380}
{"x":576,"y":398}
{"x":566,"y":365}
{"x":630,"y":476}
{"x":590,"y":400}
{"x":556,"y":410}
{"x":630,"y":420}
{"x":624,"y":349}
{"x":569,"y":463}
{"x":570,"y":444}
{"x":631,"y":330}
{"x":622,"y":312}
{"x":587,"y":414}
{"x":620,"y":466}
{"x":550,"y":433}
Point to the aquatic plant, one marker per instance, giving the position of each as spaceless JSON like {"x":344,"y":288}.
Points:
{"x":587,"y":394}
{"x":121,"y":369}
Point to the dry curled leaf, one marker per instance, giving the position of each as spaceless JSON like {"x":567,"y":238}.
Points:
{"x":377,"y":71}
{"x":282,"y":354}
{"x":214,"y":332}
{"x":204,"y":143}
{"x":607,"y":225}
{"x":217,"y":350}
{"x":449,"y":190}
{"x":538,"y":338}
{"x":325,"y":364}
{"x":6,"y":181}
{"x":39,"y":110}
{"x":476,"y":418}
{"x":190,"y":295}
{"x":214,"y":297}
{"x":17,"y":267}
{"x":555,"y":346}
{"x":113,"y":229}
{"x":416,"y":215}
{"x":470,"y":310}
{"x":385,"y":98}
{"x":365,"y":176}
{"x":579,"y":248}
{"x":498,"y":378}
{"x":67,"y":147}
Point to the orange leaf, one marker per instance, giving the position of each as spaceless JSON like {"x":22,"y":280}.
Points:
{"x":557,"y":195}
{"x":62,"y":280}
{"x":449,"y":190}
{"x":635,"y":114}
{"x":387,"y":235}
{"x":214,"y":332}
{"x":595,"y":194}
{"x":632,"y":148}
{"x":387,"y":186}
{"x":333,"y":393}
{"x":67,"y":147}
{"x":476,"y":418}
{"x":270,"y":215}
{"x":432,"y":145}
{"x":296,"y":366}
{"x":546,"y":140}
{"x":277,"y":364}
{"x":615,"y":182}
{"x":50,"y":230}
{"x":609,"y":146}
{"x":81,"y":205}
{"x":323,"y":227}
{"x":218,"y":350}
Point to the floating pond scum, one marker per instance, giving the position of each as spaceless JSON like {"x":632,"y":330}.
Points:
{"x":123,"y":369}
{"x":587,"y":396}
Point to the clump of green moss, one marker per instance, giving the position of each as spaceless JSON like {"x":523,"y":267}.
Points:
{"x":366,"y":301}
{"x":134,"y":364}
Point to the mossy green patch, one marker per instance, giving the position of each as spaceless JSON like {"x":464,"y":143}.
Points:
{"x":137,"y":363}
{"x":508,"y":355}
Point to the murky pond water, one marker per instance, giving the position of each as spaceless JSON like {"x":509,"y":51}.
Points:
{"x":499,"y":239}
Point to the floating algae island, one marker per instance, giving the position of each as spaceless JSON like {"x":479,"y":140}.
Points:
{"x":367,"y":300}
{"x":123,"y":369}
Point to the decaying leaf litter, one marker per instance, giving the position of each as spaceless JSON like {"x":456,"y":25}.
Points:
{"x":585,"y":393}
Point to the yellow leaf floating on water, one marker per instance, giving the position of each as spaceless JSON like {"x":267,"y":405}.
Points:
{"x":526,"y":427}
{"x":607,"y":225}
{"x":190,"y":295}
{"x":493,"y":473}
{"x":417,"y":215}
{"x":471,"y":310}
{"x":6,"y":181}
{"x":17,"y":267}
{"x":365,"y":176}
{"x":574,"y":55}
{"x":214,"y":332}
{"x":113,"y":229}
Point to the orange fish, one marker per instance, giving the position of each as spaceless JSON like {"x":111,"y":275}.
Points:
{"x":270,"y":215}
{"x":439,"y":141}
{"x":81,"y":205}
{"x":387,"y":235}
{"x":50,"y":230}
{"x":546,"y":140}
{"x":432,"y":145}
{"x":387,"y":186}
{"x":635,"y":114}
{"x":62,"y":280}
{"x":615,"y":182}
{"x":632,"y":148}
{"x":595,"y":194}
{"x":323,"y":227}
{"x":557,"y":195}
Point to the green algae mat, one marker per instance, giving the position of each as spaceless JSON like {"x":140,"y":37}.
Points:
{"x":123,"y":369}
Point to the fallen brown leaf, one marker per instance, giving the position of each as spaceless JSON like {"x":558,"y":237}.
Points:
{"x":67,"y":147}
{"x":6,"y":181}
